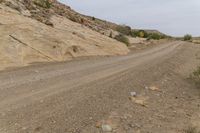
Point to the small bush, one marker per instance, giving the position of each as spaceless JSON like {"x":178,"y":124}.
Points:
{"x":196,"y":76}
{"x":122,"y":38}
{"x":82,"y":21}
{"x":42,"y":3}
{"x":123,"y":29}
{"x":74,"y":18}
{"x":187,"y":37}
{"x":134,"y":33}
{"x":144,"y":34}
{"x":93,"y":18}
{"x":154,"y":36}
{"x":163,"y":36}
{"x":139,"y":33}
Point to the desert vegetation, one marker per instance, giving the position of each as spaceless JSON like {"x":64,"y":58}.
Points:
{"x":144,"y":34}
{"x":122,"y":38}
{"x":126,"y":30}
{"x":187,"y":37}
{"x":192,"y":129}
{"x":196,"y":76}
{"x":123,"y":29}
{"x":140,"y":33}
{"x":42,"y":3}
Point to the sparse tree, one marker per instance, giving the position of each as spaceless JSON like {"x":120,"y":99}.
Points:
{"x":187,"y":37}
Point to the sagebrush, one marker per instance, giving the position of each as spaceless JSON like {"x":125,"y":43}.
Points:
{"x":42,"y":3}
{"x":196,"y":76}
{"x":122,"y":38}
{"x":187,"y":37}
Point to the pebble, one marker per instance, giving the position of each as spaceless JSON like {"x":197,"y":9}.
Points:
{"x":106,"y":128}
{"x":146,"y":87}
{"x":24,"y":128}
{"x":36,"y":71}
{"x":137,"y":125}
{"x":154,"y":88}
{"x":98,"y":125}
{"x":16,"y":124}
{"x":133,"y":94}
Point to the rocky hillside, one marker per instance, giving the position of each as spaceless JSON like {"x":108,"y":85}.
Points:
{"x":43,"y":10}
{"x":45,"y":30}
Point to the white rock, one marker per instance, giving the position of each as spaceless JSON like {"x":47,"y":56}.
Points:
{"x":26,"y":13}
{"x":133,"y":94}
{"x":146,"y":87}
{"x":106,"y":128}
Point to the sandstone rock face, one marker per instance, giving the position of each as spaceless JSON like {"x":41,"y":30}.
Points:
{"x":24,"y":40}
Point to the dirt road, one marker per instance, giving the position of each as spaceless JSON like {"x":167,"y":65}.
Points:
{"x":81,"y":96}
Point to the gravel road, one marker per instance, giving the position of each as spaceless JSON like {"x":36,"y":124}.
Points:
{"x":89,"y":95}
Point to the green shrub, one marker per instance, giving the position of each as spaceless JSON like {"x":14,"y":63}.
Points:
{"x":154,"y":36}
{"x":123,"y":29}
{"x":187,"y":37}
{"x":93,"y":18}
{"x":144,"y":34}
{"x":122,"y":38}
{"x":134,"y":33}
{"x":42,"y":3}
{"x":139,"y":33}
{"x":163,"y":36}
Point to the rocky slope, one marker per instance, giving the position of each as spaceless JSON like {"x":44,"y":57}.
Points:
{"x":43,"y":10}
{"x":31,"y":32}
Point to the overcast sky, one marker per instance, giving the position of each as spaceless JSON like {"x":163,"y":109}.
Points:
{"x":173,"y":17}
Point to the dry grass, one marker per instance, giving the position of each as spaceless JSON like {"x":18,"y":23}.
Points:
{"x":197,"y":41}
{"x":195,"y":77}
